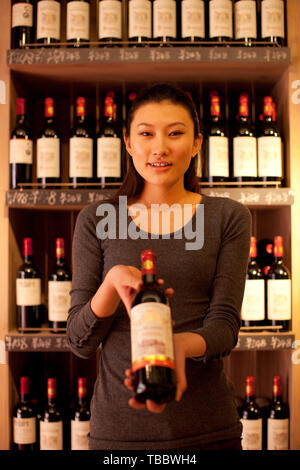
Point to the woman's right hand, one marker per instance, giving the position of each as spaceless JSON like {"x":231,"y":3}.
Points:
{"x":127,"y":281}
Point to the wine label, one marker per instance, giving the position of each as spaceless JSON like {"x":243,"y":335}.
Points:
{"x":244,"y":156}
{"x":24,"y":430}
{"x":110,"y":19}
{"x":109,"y":157}
{"x":253,"y":306}
{"x":81,"y":157}
{"x":218,"y":156}
{"x":51,"y":435}
{"x":48,"y":19}
{"x":269,"y":156}
{"x":279,"y":299}
{"x":272,"y":18}
{"x":151,"y":336}
{"x":48,"y":157}
{"x":79,"y":435}
{"x":164,"y":18}
{"x":193,"y":18}
{"x":252,"y":434}
{"x":78,"y":20}
{"x":140,"y":19}
{"x":59,"y":300}
{"x":20,"y":151}
{"x":28,"y":292}
{"x":278,"y":434}
{"x":220,"y":18}
{"x":245,"y":19}
{"x":22,"y":15}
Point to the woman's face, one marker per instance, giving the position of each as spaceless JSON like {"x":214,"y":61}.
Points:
{"x":162,"y":142}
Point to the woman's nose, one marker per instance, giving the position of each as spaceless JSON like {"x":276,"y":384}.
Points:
{"x":160,"y":146}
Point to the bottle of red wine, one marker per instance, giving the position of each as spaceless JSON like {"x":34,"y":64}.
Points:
{"x":193,"y":20}
{"x":279,"y":290}
{"x":273,"y":22}
{"x":48,"y":21}
{"x":278,"y":419}
{"x":251,"y":419}
{"x":28,"y":290}
{"x":80,"y":418}
{"x":245,"y":21}
{"x":81,"y":162}
{"x":244,"y":145}
{"x":164,"y":21}
{"x":140,"y":21}
{"x":265,"y":256}
{"x":253,"y":307}
{"x":24,"y":419}
{"x":48,"y":149}
{"x":22,"y":31}
{"x":78,"y":22}
{"x":59,"y":286}
{"x":110,"y":21}
{"x":220,"y":21}
{"x":51,"y":422}
{"x":152,"y":350}
{"x":20,"y":149}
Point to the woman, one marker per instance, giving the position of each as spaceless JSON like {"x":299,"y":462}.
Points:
{"x":206,"y":284}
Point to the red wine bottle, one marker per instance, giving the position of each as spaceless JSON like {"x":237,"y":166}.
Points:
{"x":193,"y":20}
{"x":245,"y":21}
{"x":110,"y":21}
{"x":24,"y":419}
{"x":152,"y":350}
{"x":220,"y":21}
{"x":140,"y":21}
{"x":265,"y":256}
{"x":48,"y":149}
{"x":22,"y":30}
{"x":20,"y":155}
{"x":50,"y":420}
{"x":279,"y":290}
{"x":78,"y":22}
{"x":273,"y":22}
{"x":251,"y":419}
{"x":48,"y":21}
{"x":164,"y":21}
{"x":80,"y":418}
{"x":28,"y":290}
{"x":59,"y":286}
{"x":278,"y":419}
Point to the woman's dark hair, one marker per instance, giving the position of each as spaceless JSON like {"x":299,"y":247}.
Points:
{"x":133,"y":182}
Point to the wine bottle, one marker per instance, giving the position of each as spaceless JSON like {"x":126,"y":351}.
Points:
{"x":220,"y":21}
{"x":22,"y":30}
{"x":152,"y":350}
{"x":24,"y":419}
{"x":48,"y":148}
{"x":81,"y":163}
{"x":273,"y":22}
{"x":279,"y":290}
{"x":193,"y":20}
{"x":80,"y":418}
{"x":164,"y":21}
{"x":139,"y":21}
{"x":20,"y":154}
{"x":48,"y":21}
{"x":270,"y":164}
{"x":59,"y":286}
{"x":216,"y":163}
{"x":109,"y":146}
{"x":28,"y":289}
{"x":78,"y":22}
{"x":110,"y":21}
{"x":253,"y":307}
{"x":244,"y":145}
{"x":50,"y":420}
{"x":245,"y":21}
{"x":278,"y":419}
{"x":251,"y":418}
{"x":265,"y":255}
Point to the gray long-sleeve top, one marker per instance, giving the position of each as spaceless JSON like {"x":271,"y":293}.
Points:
{"x":209,"y":285}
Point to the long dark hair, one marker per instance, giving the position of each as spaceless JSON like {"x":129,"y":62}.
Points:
{"x":133,"y":183}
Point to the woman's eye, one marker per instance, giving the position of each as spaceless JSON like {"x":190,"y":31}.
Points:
{"x":176,"y":133}
{"x":145,"y":133}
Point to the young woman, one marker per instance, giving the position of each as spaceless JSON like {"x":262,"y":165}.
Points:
{"x":206,"y":287}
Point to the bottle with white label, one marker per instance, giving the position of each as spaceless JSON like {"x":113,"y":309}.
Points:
{"x":273,"y":22}
{"x":251,"y":419}
{"x":164,"y":21}
{"x":28,"y":290}
{"x":78,"y":22}
{"x":24,"y":419}
{"x":279,"y":290}
{"x":110,"y":21}
{"x":193,"y":20}
{"x":50,"y":421}
{"x":139,"y":22}
{"x":245,"y":22}
{"x":48,"y":27}
{"x":278,"y":419}
{"x":22,"y":29}
{"x":80,"y":418}
{"x":220,"y":20}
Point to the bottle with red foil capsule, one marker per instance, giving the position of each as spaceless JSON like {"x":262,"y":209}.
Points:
{"x":152,"y":350}
{"x":80,"y":418}
{"x":265,"y":256}
{"x":28,"y":290}
{"x":24,"y":419}
{"x":251,"y":419}
{"x":279,"y":290}
{"x":50,"y":420}
{"x":278,"y":419}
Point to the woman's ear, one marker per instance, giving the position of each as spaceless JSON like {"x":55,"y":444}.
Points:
{"x":197,"y":144}
{"x":127,"y":143}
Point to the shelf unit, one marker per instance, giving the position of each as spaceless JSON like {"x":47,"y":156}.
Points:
{"x":36,"y":71}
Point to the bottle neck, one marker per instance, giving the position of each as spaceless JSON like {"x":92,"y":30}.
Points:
{"x":60,"y":260}
{"x":28,"y":259}
{"x":149,"y":278}
{"x":21,"y":119}
{"x":51,"y":401}
{"x":24,"y":397}
{"x":49,"y":120}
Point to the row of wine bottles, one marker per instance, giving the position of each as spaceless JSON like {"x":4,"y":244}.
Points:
{"x":242,"y":153}
{"x":164,"y":21}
